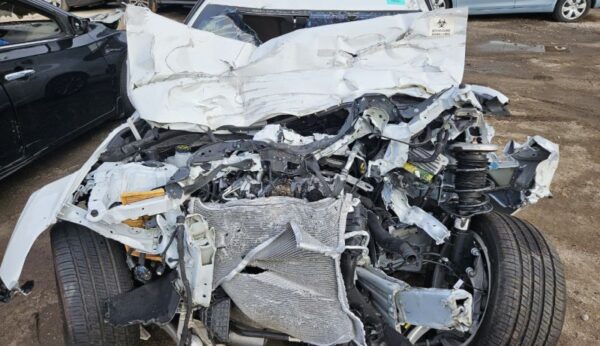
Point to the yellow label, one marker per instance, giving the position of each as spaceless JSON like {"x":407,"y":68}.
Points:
{"x":132,"y":197}
{"x":419,"y":173}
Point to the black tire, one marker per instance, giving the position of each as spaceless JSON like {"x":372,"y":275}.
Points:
{"x":125,"y":107}
{"x":89,"y":268}
{"x":559,"y":16}
{"x":528,"y":294}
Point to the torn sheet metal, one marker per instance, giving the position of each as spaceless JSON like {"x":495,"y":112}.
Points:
{"x":524,"y":172}
{"x":544,"y":172}
{"x":277,"y":134}
{"x":111,"y":180}
{"x":396,"y":154}
{"x":41,"y":212}
{"x":396,"y":200}
{"x":283,"y":249}
{"x":399,"y":303}
{"x":192,"y":78}
{"x":489,"y":93}
{"x":146,"y":240}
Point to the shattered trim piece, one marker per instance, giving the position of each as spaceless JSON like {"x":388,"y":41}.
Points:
{"x":443,"y":309}
{"x":396,"y":200}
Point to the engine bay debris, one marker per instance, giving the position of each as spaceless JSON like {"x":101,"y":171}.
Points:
{"x":310,"y":185}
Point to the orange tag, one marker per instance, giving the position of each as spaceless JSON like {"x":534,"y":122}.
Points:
{"x":132,"y":197}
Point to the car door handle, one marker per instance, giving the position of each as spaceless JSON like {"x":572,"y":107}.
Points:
{"x":19,"y":74}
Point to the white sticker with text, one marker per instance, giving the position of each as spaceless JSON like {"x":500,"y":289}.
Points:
{"x":441,"y":26}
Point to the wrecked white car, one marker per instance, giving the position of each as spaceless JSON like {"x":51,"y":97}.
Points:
{"x":297,"y":173}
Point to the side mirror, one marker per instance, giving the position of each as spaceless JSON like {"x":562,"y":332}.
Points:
{"x":80,"y":25}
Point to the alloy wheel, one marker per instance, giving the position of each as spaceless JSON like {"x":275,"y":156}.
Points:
{"x":573,"y":9}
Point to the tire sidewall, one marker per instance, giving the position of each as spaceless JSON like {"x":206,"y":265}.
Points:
{"x":527,"y":293}
{"x":495,"y":257}
{"x":67,"y":334}
{"x":84,"y":265}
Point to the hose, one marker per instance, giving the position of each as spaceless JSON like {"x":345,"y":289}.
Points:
{"x":442,"y":139}
{"x":389,"y":242}
{"x":371,"y":318}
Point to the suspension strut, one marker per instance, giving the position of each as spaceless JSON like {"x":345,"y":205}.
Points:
{"x":470,"y":184}
{"x":470,"y":179}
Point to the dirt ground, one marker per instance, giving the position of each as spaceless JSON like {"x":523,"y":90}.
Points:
{"x":555,"y":94}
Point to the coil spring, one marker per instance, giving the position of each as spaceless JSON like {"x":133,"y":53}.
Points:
{"x":470,"y":180}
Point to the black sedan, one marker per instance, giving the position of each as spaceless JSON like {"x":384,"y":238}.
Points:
{"x":151,"y":4}
{"x":60,"y":75}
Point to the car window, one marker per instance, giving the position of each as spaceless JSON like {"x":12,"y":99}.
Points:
{"x":256,"y":26}
{"x":230,"y":25}
{"x":21,"y":24}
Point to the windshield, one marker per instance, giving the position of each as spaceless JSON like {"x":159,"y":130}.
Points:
{"x":257,"y":26}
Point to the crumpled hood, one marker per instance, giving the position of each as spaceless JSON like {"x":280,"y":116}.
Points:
{"x":189,"y":79}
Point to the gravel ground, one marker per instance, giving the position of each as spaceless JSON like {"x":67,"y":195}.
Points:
{"x":555,"y":94}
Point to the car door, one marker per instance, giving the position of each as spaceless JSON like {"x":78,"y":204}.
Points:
{"x":544,"y":5}
{"x":53,"y":71}
{"x":486,"y":6}
{"x":11,"y":150}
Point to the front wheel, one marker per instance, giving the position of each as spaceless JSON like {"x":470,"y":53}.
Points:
{"x":89,"y":268}
{"x":571,"y":10}
{"x":526,"y":305}
{"x":516,"y":280}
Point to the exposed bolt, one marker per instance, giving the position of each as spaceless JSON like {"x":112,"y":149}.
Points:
{"x":94,"y":212}
{"x":470,"y":271}
{"x":475,"y":252}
